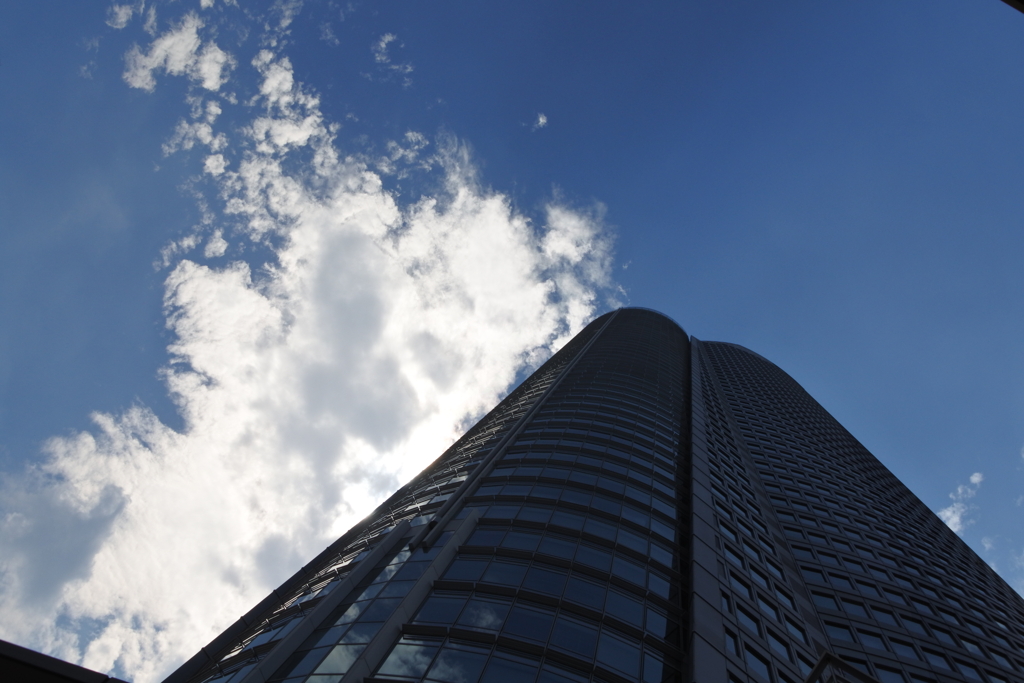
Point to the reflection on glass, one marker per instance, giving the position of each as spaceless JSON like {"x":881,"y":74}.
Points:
{"x":484,"y":614}
{"x":409,"y":659}
{"x":461,"y":665}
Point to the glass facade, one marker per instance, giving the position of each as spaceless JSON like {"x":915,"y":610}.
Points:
{"x":645,"y":507}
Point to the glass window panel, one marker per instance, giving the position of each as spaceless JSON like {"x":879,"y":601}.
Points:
{"x":458,"y":665}
{"x":905,"y":650}
{"x":657,"y":623}
{"x":521,"y":540}
{"x":748,"y":620}
{"x":397,"y":589}
{"x":838,"y":632}
{"x":936,"y":659}
{"x":658,"y":585}
{"x":568,"y":520}
{"x":557,"y":546}
{"x":779,"y":646}
{"x":487,"y":615}
{"x":543,"y":580}
{"x":585,"y":593}
{"x":574,"y":636}
{"x":594,"y":557}
{"x":632,"y":541}
{"x":380,"y":609}
{"x":528,"y":623}
{"x":768,"y":608}
{"x":874,"y":640}
{"x":968,"y":670}
{"x":824,"y":601}
{"x":599,"y":528}
{"x":629,"y":571}
{"x":886,"y":675}
{"x":340,"y":659}
{"x":466,"y":570}
{"x":505,"y":572}
{"x":552,"y":674}
{"x":854,"y":608}
{"x":302,"y":663}
{"x":757,"y":664}
{"x":486,"y":537}
{"x":504,"y":670}
{"x":409,"y":658}
{"x":625,"y":608}
{"x":362,"y":633}
{"x":914,"y":626}
{"x":619,"y":655}
{"x":534,"y":514}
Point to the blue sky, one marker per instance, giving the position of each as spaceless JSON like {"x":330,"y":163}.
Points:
{"x":234,"y":239}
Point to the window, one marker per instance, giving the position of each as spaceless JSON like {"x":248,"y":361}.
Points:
{"x":903,"y":649}
{"x":824,"y":601}
{"x":854,"y":608}
{"x":757,"y":664}
{"x":870,"y":639}
{"x":838,"y":632}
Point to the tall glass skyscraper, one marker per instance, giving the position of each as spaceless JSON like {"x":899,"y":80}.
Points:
{"x":645,"y":507}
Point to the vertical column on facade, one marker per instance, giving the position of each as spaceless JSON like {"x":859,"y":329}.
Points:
{"x":769,"y":623}
{"x":707,"y":634}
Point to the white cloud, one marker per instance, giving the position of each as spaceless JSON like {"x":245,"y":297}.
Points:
{"x":310,"y":384}
{"x":118,"y":16}
{"x":390,"y":68}
{"x":988,"y":543}
{"x":956,"y":515}
{"x":179,"y":51}
{"x":541,"y":121}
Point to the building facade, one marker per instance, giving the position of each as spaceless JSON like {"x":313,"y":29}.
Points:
{"x":645,"y":507}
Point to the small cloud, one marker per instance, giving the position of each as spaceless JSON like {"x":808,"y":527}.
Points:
{"x":541,"y":122}
{"x":327,"y":34}
{"x":216,"y":245}
{"x":380,"y":48}
{"x":215,"y":165}
{"x":118,"y":16}
{"x":955,"y":516}
{"x":92,"y":46}
{"x":987,"y":543}
{"x":389,"y":67}
{"x":179,"y":51}
{"x":150,"y":25}
{"x":1020,"y":501}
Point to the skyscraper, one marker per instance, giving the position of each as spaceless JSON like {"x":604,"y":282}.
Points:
{"x":645,"y":507}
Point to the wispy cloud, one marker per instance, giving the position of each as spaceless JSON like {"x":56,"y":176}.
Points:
{"x":541,"y":122}
{"x":386,"y":66}
{"x":956,"y":516}
{"x":310,"y":381}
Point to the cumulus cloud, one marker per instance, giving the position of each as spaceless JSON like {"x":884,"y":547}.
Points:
{"x":179,"y":51}
{"x":310,"y":382}
{"x":956,"y":515}
{"x":541,"y":121}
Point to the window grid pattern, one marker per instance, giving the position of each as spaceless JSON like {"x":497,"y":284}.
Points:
{"x":767,"y":636}
{"x":573,"y":572}
{"x":904,"y":601}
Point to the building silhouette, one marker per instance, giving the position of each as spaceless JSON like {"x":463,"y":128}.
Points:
{"x":645,"y":507}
